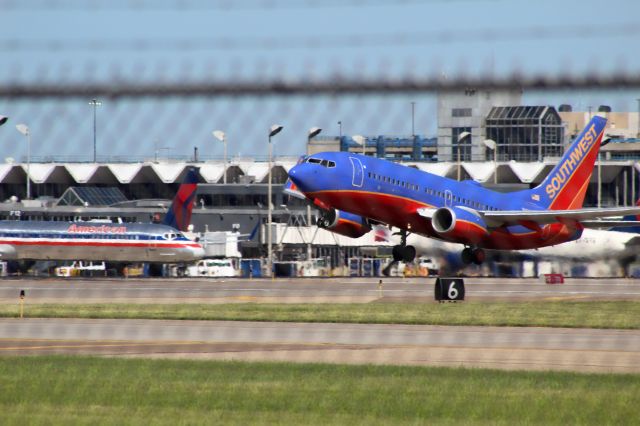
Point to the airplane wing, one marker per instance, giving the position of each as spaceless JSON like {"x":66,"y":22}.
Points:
{"x":606,"y":223}
{"x":290,"y":188}
{"x":499,"y":218}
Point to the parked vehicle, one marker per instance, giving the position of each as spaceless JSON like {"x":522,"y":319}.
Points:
{"x":428,"y":267}
{"x":313,"y":268}
{"x":212,"y":268}
{"x":80,"y":268}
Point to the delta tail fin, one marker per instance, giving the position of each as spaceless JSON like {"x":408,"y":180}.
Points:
{"x":565,"y":187}
{"x":179,"y":213}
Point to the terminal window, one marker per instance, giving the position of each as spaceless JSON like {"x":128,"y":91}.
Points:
{"x":461,"y":112}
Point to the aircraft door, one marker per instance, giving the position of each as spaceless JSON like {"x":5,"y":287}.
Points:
{"x":358,"y":173}
{"x":152,"y":247}
{"x":448,"y":198}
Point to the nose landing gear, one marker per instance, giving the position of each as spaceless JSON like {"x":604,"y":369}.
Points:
{"x":403,"y":252}
{"x":473,"y":255}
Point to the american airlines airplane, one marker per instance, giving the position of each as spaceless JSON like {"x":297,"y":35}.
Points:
{"x":113,"y":242}
{"x":355,"y":191}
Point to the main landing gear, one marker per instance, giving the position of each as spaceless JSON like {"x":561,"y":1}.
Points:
{"x":473,"y":255}
{"x":403,"y":252}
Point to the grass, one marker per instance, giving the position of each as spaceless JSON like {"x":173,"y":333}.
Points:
{"x":85,"y":390}
{"x":589,"y":314}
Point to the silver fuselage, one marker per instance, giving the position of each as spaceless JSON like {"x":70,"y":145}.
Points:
{"x":112,"y":242}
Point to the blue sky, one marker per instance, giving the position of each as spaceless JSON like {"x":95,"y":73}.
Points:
{"x":263,"y":39}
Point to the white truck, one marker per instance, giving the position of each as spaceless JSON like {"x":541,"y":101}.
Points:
{"x":213,"y":268}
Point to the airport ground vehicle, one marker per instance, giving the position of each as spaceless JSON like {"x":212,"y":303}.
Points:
{"x":80,"y":268}
{"x":427,"y":267}
{"x":314,"y":268}
{"x":212,"y":268}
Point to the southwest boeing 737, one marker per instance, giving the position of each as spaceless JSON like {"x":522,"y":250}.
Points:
{"x":356,"y":191}
{"x":113,"y":242}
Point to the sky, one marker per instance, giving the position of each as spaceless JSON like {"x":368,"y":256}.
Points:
{"x":88,"y":41}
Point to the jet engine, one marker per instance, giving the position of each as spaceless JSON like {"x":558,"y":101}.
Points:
{"x":460,"y":225}
{"x":343,"y":223}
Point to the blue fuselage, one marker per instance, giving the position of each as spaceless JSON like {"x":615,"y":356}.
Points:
{"x":391,"y":193}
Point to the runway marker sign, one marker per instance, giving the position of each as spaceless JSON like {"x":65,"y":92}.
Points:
{"x":449,"y":289}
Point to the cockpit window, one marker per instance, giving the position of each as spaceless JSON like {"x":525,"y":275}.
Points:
{"x":323,"y":163}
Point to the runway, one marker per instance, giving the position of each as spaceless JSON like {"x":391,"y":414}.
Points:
{"x":584,"y":350}
{"x":308,"y":290}
{"x":492,"y":347}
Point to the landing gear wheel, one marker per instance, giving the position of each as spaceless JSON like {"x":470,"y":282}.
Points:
{"x":467,"y":256}
{"x":409,"y":253}
{"x":478,"y":256}
{"x":398,"y":253}
{"x":403,"y":253}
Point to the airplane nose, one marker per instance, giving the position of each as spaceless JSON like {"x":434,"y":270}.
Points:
{"x":304,"y":177}
{"x":297,"y":175}
{"x":197,"y":252}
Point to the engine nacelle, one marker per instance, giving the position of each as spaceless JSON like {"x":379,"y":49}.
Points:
{"x":343,"y":223}
{"x":459,"y":224}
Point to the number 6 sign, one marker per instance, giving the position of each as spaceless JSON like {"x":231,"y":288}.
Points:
{"x":451,"y":289}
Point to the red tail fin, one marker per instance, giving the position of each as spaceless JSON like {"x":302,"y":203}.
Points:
{"x":179,"y":214}
{"x":565,"y":187}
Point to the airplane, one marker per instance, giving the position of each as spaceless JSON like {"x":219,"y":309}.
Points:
{"x":113,"y":242}
{"x":356,"y":191}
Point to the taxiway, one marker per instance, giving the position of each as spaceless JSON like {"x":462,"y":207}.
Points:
{"x":494,"y":347}
{"x":307,"y":290}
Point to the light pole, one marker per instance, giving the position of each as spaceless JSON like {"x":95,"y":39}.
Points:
{"x":219,"y":134}
{"x":95,"y":105}
{"x":24,"y":129}
{"x":638,"y":134}
{"x":491,"y":144}
{"x":361,"y":140}
{"x":340,"y":129}
{"x":313,"y":132}
{"x":605,"y":141}
{"x":461,"y":137}
{"x":413,"y":122}
{"x":599,"y":180}
{"x":274,"y":130}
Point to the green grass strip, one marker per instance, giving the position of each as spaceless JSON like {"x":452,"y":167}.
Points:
{"x":613,"y":314}
{"x":85,"y":390}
